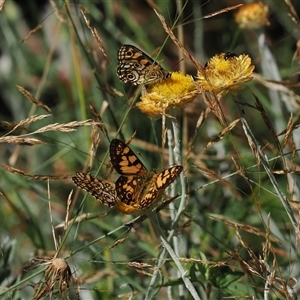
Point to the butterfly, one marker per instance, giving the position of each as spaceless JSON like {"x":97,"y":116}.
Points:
{"x":137,"y":188}
{"x":136,"y":67}
{"x":102,"y":190}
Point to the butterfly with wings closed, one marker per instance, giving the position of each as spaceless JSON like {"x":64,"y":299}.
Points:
{"x":136,"y":67}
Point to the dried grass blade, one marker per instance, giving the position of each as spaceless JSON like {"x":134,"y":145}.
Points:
{"x":212,"y":175}
{"x":265,"y":162}
{"x":221,"y":134}
{"x":34,"y":30}
{"x":66,"y":127}
{"x":19,"y":140}
{"x":29,"y":96}
{"x":247,"y":228}
{"x":94,"y":32}
{"x":168,"y":30}
{"x":35,"y":177}
{"x":28,"y":121}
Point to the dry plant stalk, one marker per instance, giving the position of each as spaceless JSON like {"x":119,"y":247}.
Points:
{"x":247,"y":228}
{"x":59,"y":14}
{"x":210,"y":174}
{"x":93,"y":31}
{"x":95,"y":137}
{"x":18,"y":140}
{"x":65,"y":127}
{"x":221,"y":134}
{"x":58,"y":274}
{"x":169,"y":31}
{"x":81,"y":218}
{"x":35,"y":177}
{"x":259,"y":267}
{"x":27,"y":94}
{"x":117,"y":242}
{"x":34,"y":30}
{"x":27,"y":121}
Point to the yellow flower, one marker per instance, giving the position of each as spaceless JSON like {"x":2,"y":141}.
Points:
{"x":177,"y":90}
{"x":252,"y":15}
{"x":225,"y":71}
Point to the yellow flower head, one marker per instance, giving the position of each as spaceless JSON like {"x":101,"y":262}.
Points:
{"x":225,"y":71}
{"x":177,"y":90}
{"x":252,"y":15}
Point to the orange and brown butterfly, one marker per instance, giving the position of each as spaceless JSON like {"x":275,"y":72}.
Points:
{"x":137,"y":188}
{"x":102,"y":190}
{"x":136,"y":67}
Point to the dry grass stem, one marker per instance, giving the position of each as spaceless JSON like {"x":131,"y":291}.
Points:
{"x":245,"y":227}
{"x":28,"y":121}
{"x":58,"y":274}
{"x":59,"y":14}
{"x":35,"y":177}
{"x":221,"y":134}
{"x":81,"y":218}
{"x":94,"y":32}
{"x":95,"y":136}
{"x":117,"y":242}
{"x":68,"y":127}
{"x":221,"y":11}
{"x":29,"y":96}
{"x":214,"y":176}
{"x":69,"y":202}
{"x":18,"y":140}
{"x":34,"y":30}
{"x":169,"y":31}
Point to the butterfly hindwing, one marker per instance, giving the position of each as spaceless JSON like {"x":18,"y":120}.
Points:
{"x":102,"y":190}
{"x":127,"y":189}
{"x":134,"y":194}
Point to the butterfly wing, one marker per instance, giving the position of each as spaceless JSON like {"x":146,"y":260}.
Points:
{"x":166,"y":177}
{"x":102,"y":190}
{"x":124,"y":161}
{"x":127,"y":188}
{"x":127,"y":191}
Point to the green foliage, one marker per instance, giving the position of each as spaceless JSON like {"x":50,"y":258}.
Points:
{"x":229,"y":230}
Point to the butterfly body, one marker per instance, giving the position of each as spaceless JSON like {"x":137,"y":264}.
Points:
{"x":136,"y":67}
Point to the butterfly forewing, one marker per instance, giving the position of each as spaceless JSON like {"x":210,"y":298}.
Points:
{"x":124,"y":161}
{"x":166,"y":177}
{"x":136,"y":67}
{"x":102,"y":190}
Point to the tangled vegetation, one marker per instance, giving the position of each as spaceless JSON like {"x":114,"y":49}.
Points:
{"x":180,"y":118}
